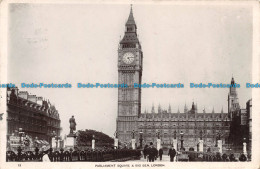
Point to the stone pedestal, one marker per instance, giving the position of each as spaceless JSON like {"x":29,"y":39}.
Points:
{"x":158,"y":144}
{"x":133,"y":144}
{"x":220,"y":146}
{"x":93,"y":144}
{"x":58,"y":144}
{"x":174,"y":143}
{"x":53,"y":143}
{"x":201,"y":145}
{"x":244,"y":149}
{"x":70,"y":141}
{"x":116,"y":143}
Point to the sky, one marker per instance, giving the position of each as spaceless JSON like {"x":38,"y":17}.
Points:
{"x":78,"y":43}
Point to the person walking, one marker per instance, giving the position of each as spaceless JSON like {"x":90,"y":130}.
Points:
{"x":145,"y":151}
{"x":152,"y":152}
{"x":160,"y":153}
{"x":172,"y":153}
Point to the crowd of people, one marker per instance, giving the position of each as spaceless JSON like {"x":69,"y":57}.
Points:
{"x":151,"y":153}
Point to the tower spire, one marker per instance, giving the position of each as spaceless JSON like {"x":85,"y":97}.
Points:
{"x":178,"y":110}
{"x":131,"y":20}
{"x":169,"y":109}
{"x":130,"y":39}
{"x":185,"y":108}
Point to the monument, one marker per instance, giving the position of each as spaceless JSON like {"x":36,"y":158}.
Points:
{"x":71,"y":137}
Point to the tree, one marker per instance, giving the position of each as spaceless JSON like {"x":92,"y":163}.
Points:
{"x":85,"y":138}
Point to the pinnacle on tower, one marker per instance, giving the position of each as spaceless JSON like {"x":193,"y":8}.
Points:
{"x":153,"y":111}
{"x":169,"y":109}
{"x":130,"y":36}
{"x":131,"y":20}
{"x":159,"y":108}
{"x":185,"y":108}
{"x":213,"y":111}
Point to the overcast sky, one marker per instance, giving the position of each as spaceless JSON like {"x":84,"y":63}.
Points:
{"x":78,"y":43}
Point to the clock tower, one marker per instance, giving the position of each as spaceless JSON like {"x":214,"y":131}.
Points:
{"x":130,"y":61}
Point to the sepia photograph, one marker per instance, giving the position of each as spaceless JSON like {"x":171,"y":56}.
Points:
{"x":146,"y":83}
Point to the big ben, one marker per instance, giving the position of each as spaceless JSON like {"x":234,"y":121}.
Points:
{"x":130,"y":59}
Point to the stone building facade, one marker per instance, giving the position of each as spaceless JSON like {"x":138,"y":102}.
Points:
{"x":212,"y":126}
{"x":190,"y":123}
{"x":35,"y":116}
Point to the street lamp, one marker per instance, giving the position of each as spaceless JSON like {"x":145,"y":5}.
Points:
{"x":141,"y":139}
{"x":21,"y":133}
{"x":52,"y":136}
{"x":158,"y":134}
{"x":217,"y":138}
{"x":36,"y":144}
{"x":182,"y":148}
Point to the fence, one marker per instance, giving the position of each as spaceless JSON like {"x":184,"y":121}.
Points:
{"x":70,"y":156}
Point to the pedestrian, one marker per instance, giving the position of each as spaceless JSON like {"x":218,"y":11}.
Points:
{"x":145,"y":151}
{"x":152,"y":152}
{"x":172,"y":153}
{"x":160,"y":153}
{"x":45,"y":157}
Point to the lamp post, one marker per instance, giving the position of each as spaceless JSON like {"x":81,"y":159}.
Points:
{"x":244,"y":147}
{"x":182,"y":148}
{"x":53,"y":134}
{"x":158,"y":134}
{"x":57,"y":138}
{"x":217,"y":138}
{"x":21,"y":133}
{"x":141,"y":139}
{"x":36,"y":144}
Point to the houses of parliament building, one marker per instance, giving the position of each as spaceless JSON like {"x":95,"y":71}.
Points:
{"x":231,"y":127}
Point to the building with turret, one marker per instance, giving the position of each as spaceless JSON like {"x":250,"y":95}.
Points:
{"x":212,"y":125}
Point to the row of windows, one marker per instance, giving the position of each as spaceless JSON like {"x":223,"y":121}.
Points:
{"x":187,"y":124}
{"x":129,"y":46}
{"x":187,"y":131}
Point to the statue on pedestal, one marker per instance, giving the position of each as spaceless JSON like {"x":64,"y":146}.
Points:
{"x":72,"y":124}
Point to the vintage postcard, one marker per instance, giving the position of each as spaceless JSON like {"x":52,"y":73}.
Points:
{"x":129,"y":84}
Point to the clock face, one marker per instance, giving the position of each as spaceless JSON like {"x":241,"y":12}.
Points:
{"x":128,"y":57}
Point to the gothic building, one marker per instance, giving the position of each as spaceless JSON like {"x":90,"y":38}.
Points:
{"x":193,"y":124}
{"x":35,"y":116}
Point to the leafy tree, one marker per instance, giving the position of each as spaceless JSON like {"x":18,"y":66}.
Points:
{"x":85,"y":138}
